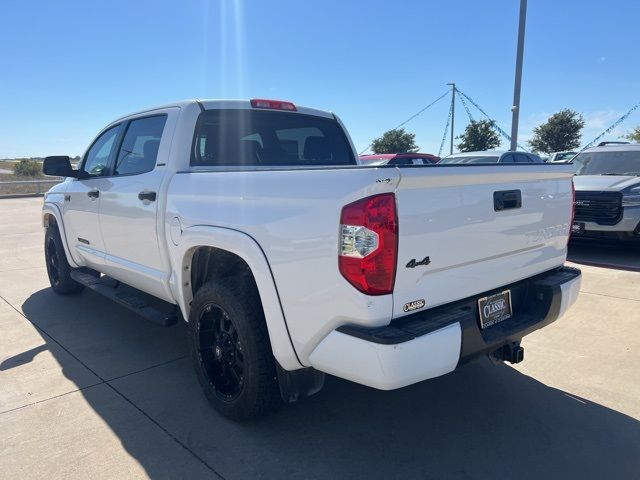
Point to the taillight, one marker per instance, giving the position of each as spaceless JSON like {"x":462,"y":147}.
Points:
{"x":573,"y":203}
{"x":369,"y":244}
{"x":273,"y":104}
{"x":573,"y":209}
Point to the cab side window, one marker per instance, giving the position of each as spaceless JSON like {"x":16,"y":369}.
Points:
{"x":96,"y":160}
{"x":522,"y":158}
{"x":139,"y":150}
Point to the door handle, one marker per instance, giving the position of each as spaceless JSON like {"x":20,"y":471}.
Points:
{"x":93,"y":193}
{"x":507,"y":200}
{"x":150,"y":196}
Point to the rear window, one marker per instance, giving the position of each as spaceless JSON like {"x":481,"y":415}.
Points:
{"x":268,"y":138}
{"x":564,"y":156}
{"x":608,"y":163}
{"x":522,"y":158}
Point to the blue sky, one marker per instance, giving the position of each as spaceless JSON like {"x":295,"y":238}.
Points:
{"x":70,"y":67}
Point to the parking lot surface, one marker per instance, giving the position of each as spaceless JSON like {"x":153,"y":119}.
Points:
{"x":89,"y":390}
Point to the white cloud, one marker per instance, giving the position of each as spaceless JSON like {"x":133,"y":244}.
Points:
{"x":598,"y":121}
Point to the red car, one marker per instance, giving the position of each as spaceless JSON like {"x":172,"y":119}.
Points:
{"x":399,"y":159}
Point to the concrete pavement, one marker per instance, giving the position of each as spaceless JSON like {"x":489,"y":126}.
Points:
{"x":88,"y":389}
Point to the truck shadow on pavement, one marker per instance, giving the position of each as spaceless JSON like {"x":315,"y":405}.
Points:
{"x":618,"y":256}
{"x":478,"y":422}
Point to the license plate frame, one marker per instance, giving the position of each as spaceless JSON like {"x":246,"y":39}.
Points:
{"x":495,"y":308}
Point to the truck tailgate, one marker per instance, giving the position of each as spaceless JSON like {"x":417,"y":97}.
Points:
{"x":463,"y":231}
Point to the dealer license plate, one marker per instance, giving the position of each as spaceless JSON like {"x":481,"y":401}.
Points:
{"x":495,"y":308}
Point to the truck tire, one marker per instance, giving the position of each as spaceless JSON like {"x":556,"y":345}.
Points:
{"x":58,"y":269}
{"x":231,"y":351}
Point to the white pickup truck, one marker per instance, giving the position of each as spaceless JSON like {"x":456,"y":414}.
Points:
{"x":254,"y":221}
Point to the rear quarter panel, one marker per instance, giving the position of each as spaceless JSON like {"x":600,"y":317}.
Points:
{"x":294,"y":216}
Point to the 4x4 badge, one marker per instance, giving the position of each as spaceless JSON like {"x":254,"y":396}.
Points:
{"x":413,"y":263}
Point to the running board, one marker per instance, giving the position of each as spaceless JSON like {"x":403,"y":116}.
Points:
{"x":104,"y":286}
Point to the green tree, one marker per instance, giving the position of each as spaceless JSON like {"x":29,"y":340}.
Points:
{"x":560,"y":132}
{"x":395,"y":141}
{"x":633,"y":135}
{"x":478,"y":136}
{"x":27,"y":168}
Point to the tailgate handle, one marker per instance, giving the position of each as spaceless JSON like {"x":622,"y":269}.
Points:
{"x":146,"y":195}
{"x":507,"y":200}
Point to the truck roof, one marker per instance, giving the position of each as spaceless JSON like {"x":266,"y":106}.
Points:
{"x":211,"y":104}
{"x":615,"y":147}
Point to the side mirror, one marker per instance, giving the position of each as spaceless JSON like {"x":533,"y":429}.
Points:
{"x":59,"y":166}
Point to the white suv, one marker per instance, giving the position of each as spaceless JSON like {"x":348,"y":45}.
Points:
{"x":607,"y":186}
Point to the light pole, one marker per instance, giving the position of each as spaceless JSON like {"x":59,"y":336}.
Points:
{"x":453,"y":113}
{"x":518,"y":81}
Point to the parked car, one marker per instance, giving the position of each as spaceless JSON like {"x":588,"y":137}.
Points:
{"x":607,"y":186}
{"x":289,"y":260}
{"x":492,"y":156}
{"x":561,"y":157}
{"x":399,"y":159}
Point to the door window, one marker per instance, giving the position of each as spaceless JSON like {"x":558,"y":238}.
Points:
{"x":522,"y":158}
{"x":139,"y":149}
{"x":508,"y":159}
{"x":96,"y":161}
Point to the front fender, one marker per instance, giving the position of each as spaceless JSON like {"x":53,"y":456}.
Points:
{"x":249,"y":250}
{"x":52,"y":209}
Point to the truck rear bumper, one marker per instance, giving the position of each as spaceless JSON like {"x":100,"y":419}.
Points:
{"x":435,"y":341}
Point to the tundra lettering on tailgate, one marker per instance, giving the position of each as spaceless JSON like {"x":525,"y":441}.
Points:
{"x":536,"y":236}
